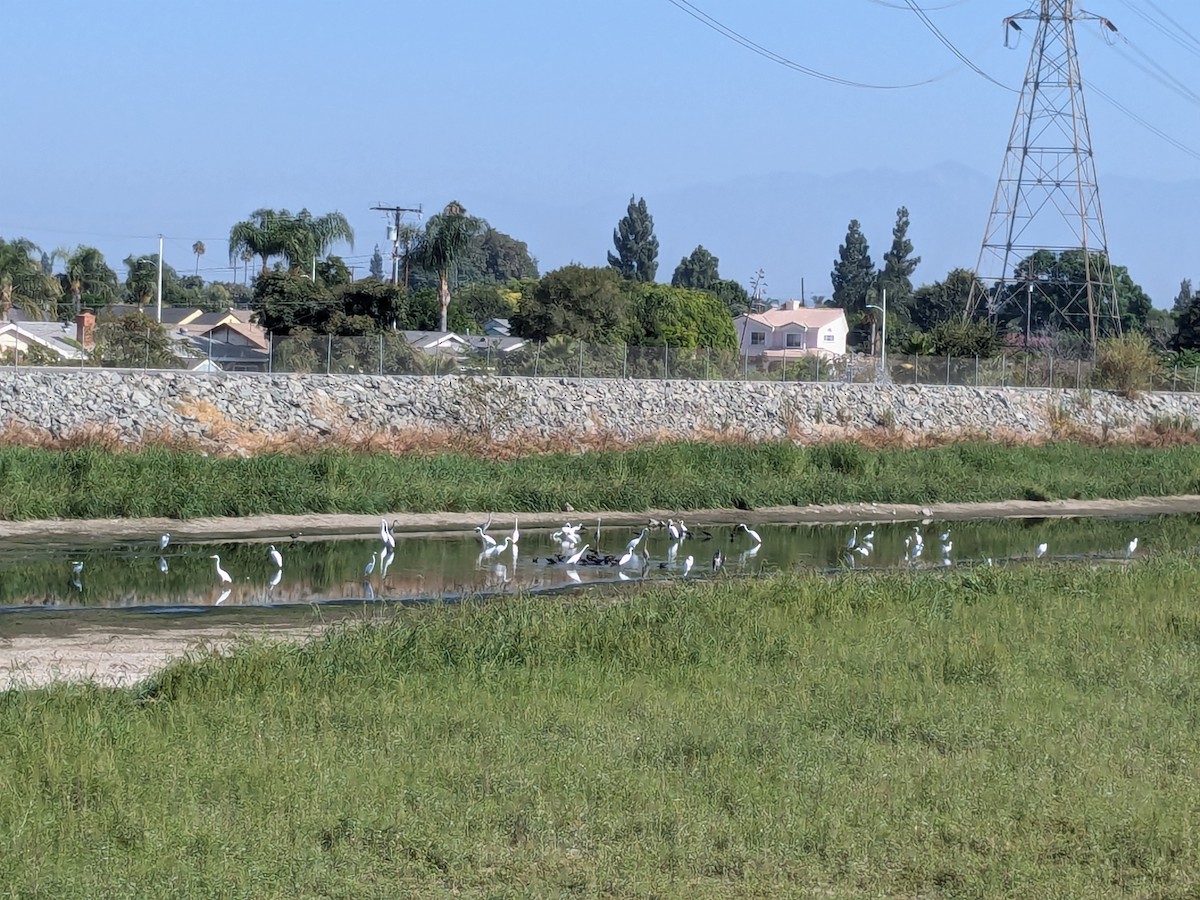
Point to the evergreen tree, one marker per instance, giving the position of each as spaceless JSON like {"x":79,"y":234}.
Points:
{"x":637,"y":247}
{"x":697,"y":271}
{"x":899,"y":264}
{"x":1185,"y":296}
{"x":377,"y":264}
{"x":853,"y":272}
{"x":1187,"y":325}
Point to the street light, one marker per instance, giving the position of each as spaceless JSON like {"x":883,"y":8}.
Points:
{"x":883,"y":338}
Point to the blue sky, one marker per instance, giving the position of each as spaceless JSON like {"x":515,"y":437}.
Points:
{"x":543,"y":116}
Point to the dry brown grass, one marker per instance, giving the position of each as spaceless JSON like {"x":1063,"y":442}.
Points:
{"x":222,"y":437}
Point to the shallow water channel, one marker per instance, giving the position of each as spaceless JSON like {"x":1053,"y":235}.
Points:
{"x":449,"y":565}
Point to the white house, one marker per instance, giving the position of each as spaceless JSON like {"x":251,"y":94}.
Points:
{"x":792,"y":330}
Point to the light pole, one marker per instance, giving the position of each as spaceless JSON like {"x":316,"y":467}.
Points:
{"x":883,"y":338}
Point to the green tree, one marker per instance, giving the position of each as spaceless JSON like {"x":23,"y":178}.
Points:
{"x":332,"y":271}
{"x":447,"y":235}
{"x":679,"y":317}
{"x":24,"y":282}
{"x":285,"y":302}
{"x":698,"y":270}
{"x":384,"y":303}
{"x":899,"y":265}
{"x":482,"y":302}
{"x":576,"y":301}
{"x":86,"y":276}
{"x":198,"y":248}
{"x":377,"y":264}
{"x":942,"y":301}
{"x":133,"y":340}
{"x":963,"y":340}
{"x":853,"y":273}
{"x":299,"y":239}
{"x":141,"y":282}
{"x":637,"y":248}
{"x":1187,"y":326}
{"x":262,"y":235}
{"x":1185,"y":296}
{"x":735,"y":297}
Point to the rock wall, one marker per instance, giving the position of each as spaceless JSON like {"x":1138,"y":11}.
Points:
{"x":247,"y":411}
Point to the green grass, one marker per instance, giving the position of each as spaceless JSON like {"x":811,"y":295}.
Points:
{"x":1026,"y":731}
{"x":156,"y":482}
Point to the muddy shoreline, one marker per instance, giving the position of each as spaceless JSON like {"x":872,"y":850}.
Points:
{"x":122,"y":649}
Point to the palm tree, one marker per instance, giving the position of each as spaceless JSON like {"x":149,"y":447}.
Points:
{"x":24,"y":283}
{"x":198,"y":248}
{"x":262,"y":235}
{"x":86,"y":272}
{"x":142,"y":279}
{"x":446,"y":236}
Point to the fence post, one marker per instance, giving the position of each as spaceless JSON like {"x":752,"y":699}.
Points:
{"x":581,"y":360}
{"x":976,"y":370}
{"x":947,"y":370}
{"x":329,"y":355}
{"x":487,"y":359}
{"x":624,"y":361}
{"x":1003,"y":368}
{"x":270,"y":352}
{"x":783,"y":367}
{"x":1195,"y":372}
{"x":707,"y":360}
{"x":816,"y":368}
{"x":1078,"y":373}
{"x":537,"y":355}
{"x":1174,"y":377}
{"x":917,"y":368}
{"x":1026,"y":370}
{"x":381,"y":354}
{"x":666,"y":360}
{"x":745,"y":367}
{"x":1051,"y":371}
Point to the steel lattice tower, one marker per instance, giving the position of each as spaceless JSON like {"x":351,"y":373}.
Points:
{"x":1047,"y":197}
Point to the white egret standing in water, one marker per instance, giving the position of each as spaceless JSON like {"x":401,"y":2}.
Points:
{"x":1132,"y":546}
{"x":221,"y":573}
{"x":576,"y":557}
{"x":516,"y":535}
{"x":276,"y":557}
{"x":485,"y":539}
{"x":370,"y":567}
{"x":385,"y":534}
{"x":1041,"y":550}
{"x":742,"y":526}
{"x":687,"y":566}
{"x":497,"y":549}
{"x":164,"y":540}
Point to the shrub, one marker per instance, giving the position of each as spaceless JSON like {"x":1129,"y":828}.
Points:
{"x":1127,"y":364}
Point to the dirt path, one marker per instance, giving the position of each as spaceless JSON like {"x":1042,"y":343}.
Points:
{"x":121,"y":650}
{"x":325,"y":526}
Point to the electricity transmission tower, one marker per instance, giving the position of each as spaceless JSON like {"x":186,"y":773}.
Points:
{"x":1047,"y":198}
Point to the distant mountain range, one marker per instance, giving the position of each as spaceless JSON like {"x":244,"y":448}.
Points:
{"x":791,"y":225}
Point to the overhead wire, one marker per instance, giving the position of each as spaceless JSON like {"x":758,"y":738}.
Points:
{"x":949,"y":45}
{"x":738,"y":38}
{"x":1174,"y":31}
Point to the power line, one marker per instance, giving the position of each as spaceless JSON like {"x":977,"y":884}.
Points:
{"x":927,"y":8}
{"x":949,"y":45}
{"x":1175,"y":31}
{"x":1178,"y":145}
{"x":738,"y":38}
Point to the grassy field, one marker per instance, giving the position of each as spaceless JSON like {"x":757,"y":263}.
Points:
{"x":87,"y":483}
{"x":1025,"y":731}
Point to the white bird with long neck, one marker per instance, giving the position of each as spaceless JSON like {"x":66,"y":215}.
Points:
{"x":1132,"y":547}
{"x":742,"y":526}
{"x":497,"y":549}
{"x":484,"y":538}
{"x":574,"y":558}
{"x":221,"y":573}
{"x":516,"y":535}
{"x":276,"y":557}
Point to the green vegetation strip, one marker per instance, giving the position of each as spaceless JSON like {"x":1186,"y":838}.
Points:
{"x":41,"y":484}
{"x":1021,"y":731}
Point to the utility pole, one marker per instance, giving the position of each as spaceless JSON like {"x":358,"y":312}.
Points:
{"x":397,"y":212}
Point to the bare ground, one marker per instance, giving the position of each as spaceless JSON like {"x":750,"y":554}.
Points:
{"x":119,"y":650}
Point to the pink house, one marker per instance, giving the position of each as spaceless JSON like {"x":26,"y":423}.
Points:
{"x":792,"y":330}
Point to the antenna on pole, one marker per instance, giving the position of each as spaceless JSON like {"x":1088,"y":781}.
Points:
{"x":394,"y":233}
{"x":1045,"y":251}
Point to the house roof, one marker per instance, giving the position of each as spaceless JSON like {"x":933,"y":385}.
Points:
{"x":809,"y":317}
{"x":495,"y":342}
{"x":499,"y":327}
{"x":426,"y":340}
{"x":51,"y":335}
{"x":224,"y":352}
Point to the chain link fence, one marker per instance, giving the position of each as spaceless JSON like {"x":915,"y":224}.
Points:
{"x":394,"y":353}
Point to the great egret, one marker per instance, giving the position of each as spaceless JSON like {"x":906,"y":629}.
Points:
{"x":497,"y":549}
{"x":484,"y":538}
{"x":385,"y":534}
{"x":687,"y":566}
{"x":370,"y":567}
{"x":853,"y":542}
{"x":76,"y":567}
{"x":742,"y":526}
{"x":221,"y":573}
{"x":577,"y":556}
{"x":516,"y":535}
{"x":276,"y":557}
{"x":1041,"y":550}
{"x":673,"y":529}
{"x":1132,"y":546}
{"x":637,"y":539}
{"x":163,"y":541}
